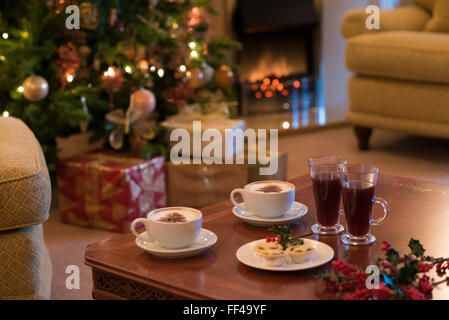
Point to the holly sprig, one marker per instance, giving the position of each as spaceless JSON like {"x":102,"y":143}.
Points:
{"x":284,"y":236}
{"x":402,"y":276}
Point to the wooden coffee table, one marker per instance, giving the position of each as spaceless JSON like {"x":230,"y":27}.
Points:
{"x":121,"y":270}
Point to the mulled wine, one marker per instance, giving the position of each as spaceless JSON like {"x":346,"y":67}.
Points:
{"x":358,"y":202}
{"x":358,"y":183}
{"x":325,"y":175}
{"x":327,"y":194}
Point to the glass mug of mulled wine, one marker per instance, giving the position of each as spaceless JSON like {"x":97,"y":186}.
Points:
{"x":358,"y":183}
{"x":325,"y":175}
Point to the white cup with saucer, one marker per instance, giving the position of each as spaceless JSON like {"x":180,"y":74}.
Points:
{"x":268,"y":199}
{"x":171,"y":228}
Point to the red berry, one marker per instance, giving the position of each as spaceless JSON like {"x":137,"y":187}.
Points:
{"x":268,"y":239}
{"x":424,"y":267}
{"x":385,"y":246}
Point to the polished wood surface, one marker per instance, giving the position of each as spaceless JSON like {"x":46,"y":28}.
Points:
{"x":418,"y":209}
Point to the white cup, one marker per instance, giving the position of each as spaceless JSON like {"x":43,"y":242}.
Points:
{"x":265,"y":204}
{"x":171,"y":235}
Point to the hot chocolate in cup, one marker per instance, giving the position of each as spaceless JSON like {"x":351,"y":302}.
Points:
{"x":267,"y":199}
{"x":172,"y":227}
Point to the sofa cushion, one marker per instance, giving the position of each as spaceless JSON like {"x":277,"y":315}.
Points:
{"x":25,"y":266}
{"x":405,"y":55}
{"x":440,"y":19}
{"x":25,"y":190}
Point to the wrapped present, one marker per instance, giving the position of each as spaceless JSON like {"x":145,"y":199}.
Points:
{"x":75,"y":144}
{"x":199,"y":185}
{"x":226,"y":126}
{"x":108,"y":190}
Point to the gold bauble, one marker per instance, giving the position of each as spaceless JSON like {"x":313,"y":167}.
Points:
{"x":144,"y":101}
{"x":35,"y":88}
{"x":224,"y":76}
{"x":196,"y":78}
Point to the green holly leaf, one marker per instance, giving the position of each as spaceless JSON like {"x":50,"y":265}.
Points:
{"x":281,"y":230}
{"x":284,"y":232}
{"x":407,"y":273}
{"x":392,"y":256}
{"x":416,"y":248}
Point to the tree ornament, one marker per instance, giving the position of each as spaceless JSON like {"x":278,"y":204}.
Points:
{"x":224,"y":76}
{"x":135,"y":118}
{"x":112,"y":80}
{"x":68,"y":61}
{"x":116,"y":138}
{"x":197,"y":16}
{"x":89,"y":16}
{"x":35,"y":88}
{"x":208,"y":72}
{"x":196,"y":78}
{"x":143,"y":101}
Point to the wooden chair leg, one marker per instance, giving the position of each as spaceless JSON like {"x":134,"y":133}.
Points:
{"x":363,"y":135}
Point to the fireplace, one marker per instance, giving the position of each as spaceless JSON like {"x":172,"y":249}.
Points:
{"x":278,"y":60}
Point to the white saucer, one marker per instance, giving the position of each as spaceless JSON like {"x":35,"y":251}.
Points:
{"x":205,"y":240}
{"x":296,"y":211}
{"x":322,"y":254}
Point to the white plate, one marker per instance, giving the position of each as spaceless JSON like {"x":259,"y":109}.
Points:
{"x":297,"y":210}
{"x":205,"y":240}
{"x":322,"y":254}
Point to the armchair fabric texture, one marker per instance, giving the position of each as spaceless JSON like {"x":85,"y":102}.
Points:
{"x":401,"y":72}
{"x":25,"y":188}
{"x":25,"y":265}
{"x":25,"y":196}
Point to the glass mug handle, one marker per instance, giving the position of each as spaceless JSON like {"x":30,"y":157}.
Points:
{"x":386,"y":208}
{"x":241,"y":206}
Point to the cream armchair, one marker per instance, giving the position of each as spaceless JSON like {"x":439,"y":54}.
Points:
{"x":25,"y":196}
{"x":401,"y":73}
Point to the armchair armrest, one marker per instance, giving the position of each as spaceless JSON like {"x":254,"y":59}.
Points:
{"x":410,"y":18}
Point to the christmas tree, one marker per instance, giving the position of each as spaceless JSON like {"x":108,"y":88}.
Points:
{"x":128,"y":66}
